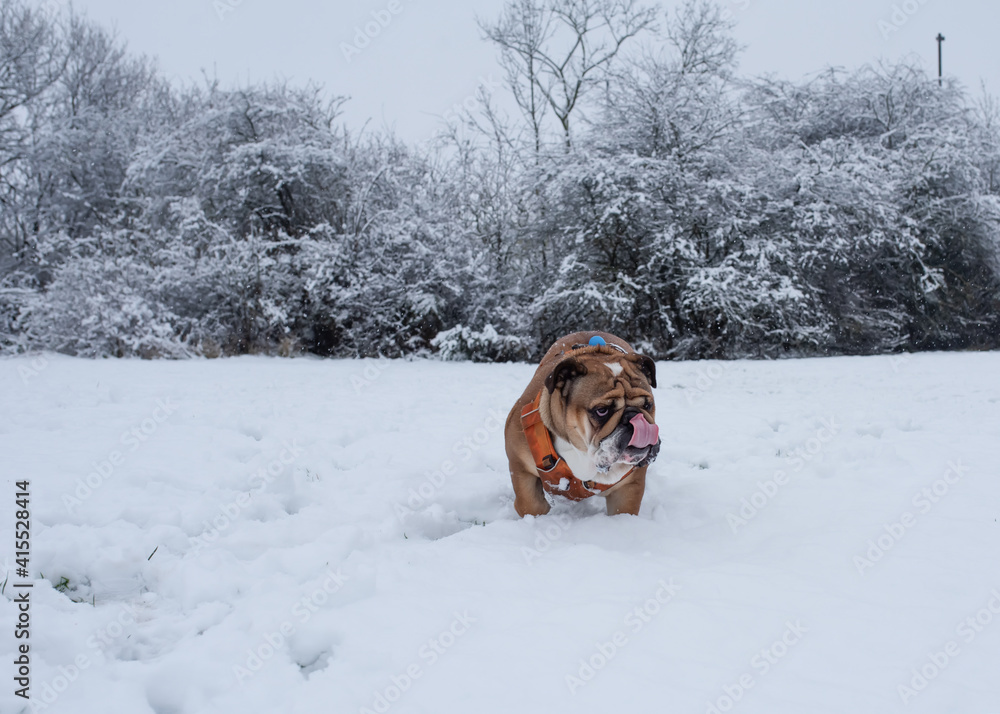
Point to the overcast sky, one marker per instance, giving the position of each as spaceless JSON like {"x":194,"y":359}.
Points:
{"x":429,"y":56}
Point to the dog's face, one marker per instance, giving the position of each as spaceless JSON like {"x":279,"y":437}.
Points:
{"x":601,"y":401}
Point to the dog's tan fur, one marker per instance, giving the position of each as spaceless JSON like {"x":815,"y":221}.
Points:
{"x":572,"y":386}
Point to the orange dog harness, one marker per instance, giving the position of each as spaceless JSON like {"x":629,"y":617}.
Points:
{"x":557,"y":477}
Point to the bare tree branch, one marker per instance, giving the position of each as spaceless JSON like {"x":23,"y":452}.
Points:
{"x":555,"y":50}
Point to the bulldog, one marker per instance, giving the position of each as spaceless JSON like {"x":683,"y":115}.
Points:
{"x":584,"y":426}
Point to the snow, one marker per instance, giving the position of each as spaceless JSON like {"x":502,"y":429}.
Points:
{"x":269,"y":535}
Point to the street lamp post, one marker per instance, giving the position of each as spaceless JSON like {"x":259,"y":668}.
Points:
{"x":940,"y":39}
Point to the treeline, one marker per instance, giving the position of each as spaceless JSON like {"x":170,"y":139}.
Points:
{"x":643,"y":187}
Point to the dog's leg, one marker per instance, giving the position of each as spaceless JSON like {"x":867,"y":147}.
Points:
{"x":628,"y":497}
{"x":529,"y":496}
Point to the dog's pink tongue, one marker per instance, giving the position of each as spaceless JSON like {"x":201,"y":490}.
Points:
{"x":643,"y":433}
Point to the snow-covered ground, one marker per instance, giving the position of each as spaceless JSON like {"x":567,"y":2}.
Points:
{"x":264,"y":535}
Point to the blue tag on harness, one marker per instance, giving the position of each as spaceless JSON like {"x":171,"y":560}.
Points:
{"x":597,"y":341}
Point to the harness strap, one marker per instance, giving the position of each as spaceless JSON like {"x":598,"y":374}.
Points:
{"x":556,"y":475}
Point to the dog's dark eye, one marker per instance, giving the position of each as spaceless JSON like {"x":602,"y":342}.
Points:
{"x":647,"y":404}
{"x":601,"y":412}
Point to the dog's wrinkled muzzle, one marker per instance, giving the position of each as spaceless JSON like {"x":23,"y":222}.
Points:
{"x":643,"y":433}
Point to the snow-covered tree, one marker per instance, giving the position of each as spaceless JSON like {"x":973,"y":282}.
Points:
{"x":695,"y":212}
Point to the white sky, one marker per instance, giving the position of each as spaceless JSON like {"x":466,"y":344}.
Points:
{"x":430,"y":57}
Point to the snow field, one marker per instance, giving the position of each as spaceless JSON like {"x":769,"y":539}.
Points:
{"x":268,"y":535}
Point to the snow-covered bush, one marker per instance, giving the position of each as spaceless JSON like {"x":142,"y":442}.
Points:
{"x":485,"y":345}
{"x":102,"y":306}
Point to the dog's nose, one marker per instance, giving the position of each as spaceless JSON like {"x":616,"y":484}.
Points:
{"x":628,"y":414}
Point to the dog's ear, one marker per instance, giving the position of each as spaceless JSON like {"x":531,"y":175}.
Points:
{"x":648,"y":367}
{"x":568,"y":369}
